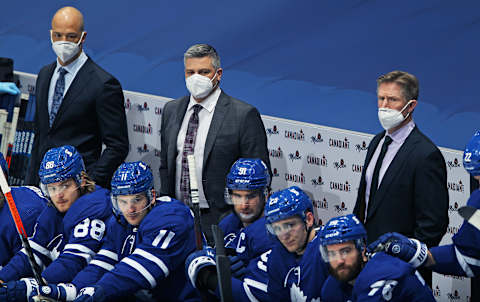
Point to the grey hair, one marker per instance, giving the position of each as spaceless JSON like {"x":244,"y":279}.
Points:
{"x":200,"y":51}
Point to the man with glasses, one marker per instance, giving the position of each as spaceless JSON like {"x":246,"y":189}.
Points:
{"x":69,"y":230}
{"x":78,"y":104}
{"x":294,"y":271}
{"x":355,"y":278}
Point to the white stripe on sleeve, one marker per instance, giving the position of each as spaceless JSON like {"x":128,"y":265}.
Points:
{"x":154,"y":259}
{"x":137,"y":266}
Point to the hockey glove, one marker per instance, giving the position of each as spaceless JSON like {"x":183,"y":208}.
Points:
{"x":91,"y":294}
{"x":201,"y":269}
{"x":407,"y":249}
{"x":10,"y":88}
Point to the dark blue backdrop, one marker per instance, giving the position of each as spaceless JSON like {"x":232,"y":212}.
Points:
{"x":313,"y":61}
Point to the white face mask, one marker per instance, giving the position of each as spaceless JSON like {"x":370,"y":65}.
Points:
{"x":199,"y":86}
{"x":391,"y":118}
{"x":66,"y":50}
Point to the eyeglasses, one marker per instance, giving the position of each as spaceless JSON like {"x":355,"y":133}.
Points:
{"x":124,"y":201}
{"x":340,"y":254}
{"x":280,"y":229}
{"x":60,"y":188}
{"x":242,"y":199}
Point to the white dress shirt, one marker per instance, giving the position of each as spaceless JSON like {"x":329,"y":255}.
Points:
{"x":398,"y":138}
{"x":72,"y":70}
{"x":205,"y":116}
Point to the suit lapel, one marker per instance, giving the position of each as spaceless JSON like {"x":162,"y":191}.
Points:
{"x":82,"y":78}
{"x":373,"y":147}
{"x":172,"y":143}
{"x":218,"y":116}
{"x":43,"y":89}
{"x":398,"y":161}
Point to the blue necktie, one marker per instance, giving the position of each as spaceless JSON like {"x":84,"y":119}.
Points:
{"x":58,"y":94}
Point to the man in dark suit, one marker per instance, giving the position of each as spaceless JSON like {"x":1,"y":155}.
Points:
{"x":216,"y":128}
{"x":79,"y":104}
{"x":403,"y":187}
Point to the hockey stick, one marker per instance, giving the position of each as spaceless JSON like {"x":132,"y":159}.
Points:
{"x":195,"y":202}
{"x":470,"y":214}
{"x":223,"y":266}
{"x":20,"y":229}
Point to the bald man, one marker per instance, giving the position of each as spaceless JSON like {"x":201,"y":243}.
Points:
{"x":78,"y":103}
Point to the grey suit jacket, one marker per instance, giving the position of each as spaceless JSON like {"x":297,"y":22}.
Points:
{"x":236,"y":131}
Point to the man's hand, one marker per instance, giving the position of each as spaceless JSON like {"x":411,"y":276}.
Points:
{"x":199,"y":265}
{"x":27,"y":289}
{"x":10,"y":88}
{"x":407,"y":249}
{"x":91,"y":294}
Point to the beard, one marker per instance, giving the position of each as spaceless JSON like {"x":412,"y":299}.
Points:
{"x":248,"y":218}
{"x":352,"y":270}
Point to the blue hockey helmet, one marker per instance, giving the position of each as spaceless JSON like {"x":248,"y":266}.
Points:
{"x":287,"y":203}
{"x":248,"y":174}
{"x":4,"y":165}
{"x":471,"y":155}
{"x":60,"y":164}
{"x":130,"y":179}
{"x":342,"y":229}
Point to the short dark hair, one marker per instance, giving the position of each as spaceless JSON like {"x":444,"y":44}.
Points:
{"x":407,"y":81}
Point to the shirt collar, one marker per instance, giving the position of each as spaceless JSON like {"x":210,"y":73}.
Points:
{"x":400,"y":135}
{"x":209,"y":103}
{"x":73,"y":67}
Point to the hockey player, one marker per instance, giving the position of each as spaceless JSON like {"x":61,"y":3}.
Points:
{"x":68,"y":232}
{"x":295,"y":272}
{"x":382,"y":278}
{"x":247,"y":189}
{"x":462,"y":257}
{"x":29,"y":202}
{"x":145,"y":246}
{"x":246,"y":236}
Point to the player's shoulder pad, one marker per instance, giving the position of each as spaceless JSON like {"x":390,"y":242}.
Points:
{"x":474,"y":199}
{"x":95,"y":205}
{"x":167,"y":214}
{"x":228,"y":220}
{"x":383,"y":267}
{"x":28,"y":194}
{"x":230,"y":224}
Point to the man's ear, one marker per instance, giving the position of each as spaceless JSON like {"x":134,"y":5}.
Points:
{"x":154,"y":197}
{"x":310,"y":219}
{"x":364,"y":257}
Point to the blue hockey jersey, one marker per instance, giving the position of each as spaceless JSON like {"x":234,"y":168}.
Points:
{"x":63,"y":244}
{"x":150,"y":256}
{"x":294,"y":278}
{"x":253,"y":240}
{"x":253,"y":245}
{"x":231,"y":226}
{"x":383,"y":278}
{"x":30,"y":202}
{"x":462,"y":258}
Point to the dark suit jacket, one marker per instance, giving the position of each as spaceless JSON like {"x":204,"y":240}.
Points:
{"x":92,"y":112}
{"x":236,"y":131}
{"x":412,"y":198}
